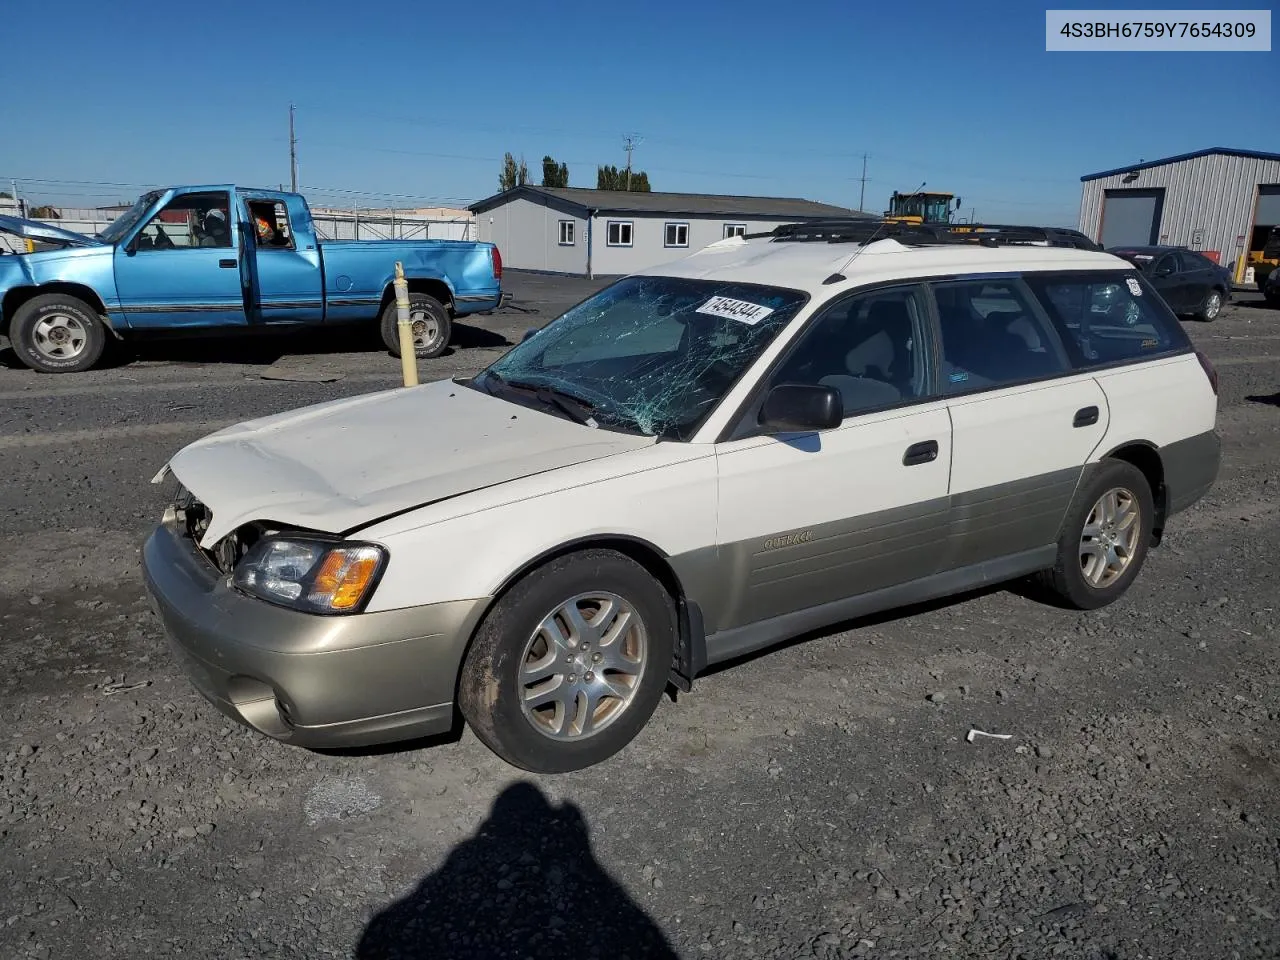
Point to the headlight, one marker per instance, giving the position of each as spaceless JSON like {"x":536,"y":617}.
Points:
{"x":315,"y":576}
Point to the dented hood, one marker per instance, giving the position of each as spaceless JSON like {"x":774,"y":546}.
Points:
{"x":343,"y":464}
{"x":35,"y":230}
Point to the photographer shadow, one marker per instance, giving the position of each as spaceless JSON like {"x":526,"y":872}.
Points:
{"x":526,"y":885}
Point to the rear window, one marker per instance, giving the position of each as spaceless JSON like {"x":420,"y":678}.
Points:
{"x":1108,"y":317}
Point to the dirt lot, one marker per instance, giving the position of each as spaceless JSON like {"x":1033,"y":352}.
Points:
{"x":818,"y":801}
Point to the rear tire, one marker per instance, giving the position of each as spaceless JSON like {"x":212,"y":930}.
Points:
{"x":548,"y":688}
{"x":432,"y":327}
{"x":57,"y":333}
{"x":1101,"y":552}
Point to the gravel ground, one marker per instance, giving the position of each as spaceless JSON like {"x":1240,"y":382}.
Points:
{"x":819,"y":801}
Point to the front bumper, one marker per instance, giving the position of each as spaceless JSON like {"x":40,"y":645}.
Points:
{"x":313,"y":681}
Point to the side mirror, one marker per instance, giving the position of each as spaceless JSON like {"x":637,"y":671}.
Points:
{"x":528,"y":333}
{"x":801,"y":408}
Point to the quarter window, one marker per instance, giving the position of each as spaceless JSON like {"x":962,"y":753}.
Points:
{"x":992,"y":336}
{"x":1108,"y":317}
{"x":566,"y":233}
{"x":868,"y":346}
{"x":677,"y":235}
{"x":271,"y":223}
{"x":619,"y":233}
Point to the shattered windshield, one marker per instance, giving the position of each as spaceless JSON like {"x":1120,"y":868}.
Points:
{"x":122,"y":224}
{"x":649,"y":355}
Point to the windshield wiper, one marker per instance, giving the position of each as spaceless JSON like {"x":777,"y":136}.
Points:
{"x":575,"y":407}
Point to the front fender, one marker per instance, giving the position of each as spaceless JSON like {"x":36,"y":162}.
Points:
{"x":86,"y":272}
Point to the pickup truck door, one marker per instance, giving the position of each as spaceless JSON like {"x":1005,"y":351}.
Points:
{"x":183,"y":267}
{"x":285,"y":280}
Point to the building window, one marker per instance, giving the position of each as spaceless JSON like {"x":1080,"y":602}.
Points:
{"x":735,"y":230}
{"x":566,"y":233}
{"x":677,"y":235}
{"x":619,"y":234}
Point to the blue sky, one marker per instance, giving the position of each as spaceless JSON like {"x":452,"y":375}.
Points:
{"x":781,"y":99}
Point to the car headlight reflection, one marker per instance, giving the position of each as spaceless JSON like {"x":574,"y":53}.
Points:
{"x":314,"y":576}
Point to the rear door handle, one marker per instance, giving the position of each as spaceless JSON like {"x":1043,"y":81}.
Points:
{"x":920,"y":453}
{"x":227,"y":264}
{"x":1086,"y":416}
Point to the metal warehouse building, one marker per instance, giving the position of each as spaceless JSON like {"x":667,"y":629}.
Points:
{"x":574,"y":230}
{"x":1220,"y":201}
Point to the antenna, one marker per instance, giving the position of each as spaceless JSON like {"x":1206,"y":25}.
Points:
{"x":839,"y":274}
{"x":631,"y":143}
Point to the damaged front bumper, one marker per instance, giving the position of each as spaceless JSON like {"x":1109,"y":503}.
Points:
{"x":309,"y":680}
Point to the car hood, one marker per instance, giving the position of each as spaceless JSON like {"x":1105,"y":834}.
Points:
{"x":35,"y":230}
{"x":343,"y":464}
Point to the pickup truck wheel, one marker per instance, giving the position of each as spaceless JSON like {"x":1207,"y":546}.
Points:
{"x":431,"y":326}
{"x":57,"y":333}
{"x":569,"y":665}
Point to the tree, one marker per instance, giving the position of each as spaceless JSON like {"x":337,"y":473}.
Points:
{"x":554,"y":174}
{"x":507,"y":179}
{"x":46,"y":213}
{"x":523,"y":175}
{"x":611,"y":178}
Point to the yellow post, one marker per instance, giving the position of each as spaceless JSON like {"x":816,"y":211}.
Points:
{"x":408,"y":361}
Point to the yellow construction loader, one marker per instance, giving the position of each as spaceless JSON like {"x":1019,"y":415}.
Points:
{"x":921,"y":206}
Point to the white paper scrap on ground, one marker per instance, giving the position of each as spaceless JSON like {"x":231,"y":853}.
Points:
{"x":982,"y":733}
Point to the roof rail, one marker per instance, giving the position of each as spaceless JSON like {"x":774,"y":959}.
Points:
{"x":928,"y":234}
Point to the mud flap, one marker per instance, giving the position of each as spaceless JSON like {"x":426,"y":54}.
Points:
{"x":691,"y":647}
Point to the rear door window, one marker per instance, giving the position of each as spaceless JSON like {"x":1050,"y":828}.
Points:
{"x":1108,"y":317}
{"x":993,"y":336}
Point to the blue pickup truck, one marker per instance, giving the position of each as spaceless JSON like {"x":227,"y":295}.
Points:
{"x":225,"y":258}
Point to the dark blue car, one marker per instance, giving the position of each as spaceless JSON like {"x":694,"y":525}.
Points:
{"x":1190,"y":283}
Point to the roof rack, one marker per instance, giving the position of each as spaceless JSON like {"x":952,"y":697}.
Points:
{"x":927,"y":234}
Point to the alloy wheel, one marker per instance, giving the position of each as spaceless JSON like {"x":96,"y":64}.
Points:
{"x":582,"y":667}
{"x":1109,"y":539}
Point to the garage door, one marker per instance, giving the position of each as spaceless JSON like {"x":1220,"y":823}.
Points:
{"x":1131,"y":217}
{"x":1268,"y":206}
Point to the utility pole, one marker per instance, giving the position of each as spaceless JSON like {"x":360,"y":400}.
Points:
{"x":293,"y":154}
{"x":862,"y":192}
{"x":631,"y":145}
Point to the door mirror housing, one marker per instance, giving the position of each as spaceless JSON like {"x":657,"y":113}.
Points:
{"x":529,"y":333}
{"x":801,"y":408}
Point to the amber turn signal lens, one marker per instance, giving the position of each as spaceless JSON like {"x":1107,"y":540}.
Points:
{"x":343,"y":577}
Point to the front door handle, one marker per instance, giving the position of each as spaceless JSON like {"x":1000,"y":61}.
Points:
{"x":1085,"y":417}
{"x":227,"y":264}
{"x":920,"y":453}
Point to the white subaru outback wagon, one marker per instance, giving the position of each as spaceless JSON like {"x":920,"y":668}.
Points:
{"x":773,"y":435}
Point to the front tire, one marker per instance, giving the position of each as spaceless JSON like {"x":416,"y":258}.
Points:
{"x":1211,"y":308}
{"x":1104,"y":540}
{"x":57,"y":333}
{"x":569,"y":665}
{"x":432,"y":327}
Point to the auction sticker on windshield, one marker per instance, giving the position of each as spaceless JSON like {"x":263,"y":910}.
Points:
{"x":748,"y":313}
